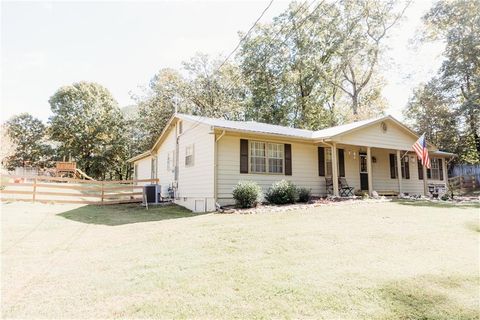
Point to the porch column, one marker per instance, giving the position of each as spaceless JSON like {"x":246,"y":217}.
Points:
{"x":399,"y":172}
{"x":335,"y":170}
{"x":369,"y":170}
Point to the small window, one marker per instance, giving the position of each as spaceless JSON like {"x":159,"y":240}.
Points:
{"x":154,"y":168}
{"x":171,"y":161}
{"x":189,"y":155}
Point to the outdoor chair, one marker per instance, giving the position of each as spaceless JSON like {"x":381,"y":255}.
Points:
{"x":344,"y":189}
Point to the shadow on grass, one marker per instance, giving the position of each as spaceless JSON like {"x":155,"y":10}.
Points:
{"x":114,"y":215}
{"x":437,"y":204}
{"x":429,"y":297}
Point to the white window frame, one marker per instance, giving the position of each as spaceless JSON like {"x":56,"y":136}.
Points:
{"x":434,"y":169}
{"x":278,"y":154}
{"x":328,"y":162}
{"x":189,"y":155}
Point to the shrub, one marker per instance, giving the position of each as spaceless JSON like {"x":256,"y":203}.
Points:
{"x":281,"y":192}
{"x":247,"y":194}
{"x":303,"y":194}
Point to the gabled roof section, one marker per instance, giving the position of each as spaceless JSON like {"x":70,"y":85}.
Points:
{"x":250,"y":126}
{"x":344,"y":128}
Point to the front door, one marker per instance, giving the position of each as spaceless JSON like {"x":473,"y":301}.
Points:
{"x":363,"y":172}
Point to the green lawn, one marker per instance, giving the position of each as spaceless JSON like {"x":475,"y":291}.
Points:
{"x":390,"y":260}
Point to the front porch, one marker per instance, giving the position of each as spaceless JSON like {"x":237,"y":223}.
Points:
{"x":387,"y":171}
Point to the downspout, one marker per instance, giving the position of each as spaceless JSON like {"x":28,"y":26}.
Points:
{"x":215,"y":171}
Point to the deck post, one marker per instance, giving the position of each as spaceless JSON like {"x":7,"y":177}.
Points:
{"x":369,"y":170}
{"x":399,"y":171}
{"x":335,"y":170}
{"x":34,"y":189}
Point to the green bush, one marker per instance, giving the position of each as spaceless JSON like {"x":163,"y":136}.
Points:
{"x":282,"y":192}
{"x":247,"y":194}
{"x":303,"y":194}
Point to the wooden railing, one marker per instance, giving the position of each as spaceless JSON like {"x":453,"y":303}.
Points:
{"x":463,"y":182}
{"x":68,"y":190}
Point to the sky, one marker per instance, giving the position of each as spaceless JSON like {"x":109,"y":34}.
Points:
{"x":121,"y":45}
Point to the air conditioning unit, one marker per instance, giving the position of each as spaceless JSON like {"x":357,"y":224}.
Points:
{"x":152,"y":193}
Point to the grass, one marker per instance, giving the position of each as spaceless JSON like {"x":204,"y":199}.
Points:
{"x":345,"y":261}
{"x":114,"y":215}
{"x":438,"y":204}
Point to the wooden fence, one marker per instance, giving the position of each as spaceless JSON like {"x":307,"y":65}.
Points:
{"x":68,"y":190}
{"x":463,"y":182}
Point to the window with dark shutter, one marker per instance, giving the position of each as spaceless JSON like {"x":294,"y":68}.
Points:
{"x":341,"y":163}
{"x":406,"y":167}
{"x":243,"y":156}
{"x":288,"y":159}
{"x":440,"y":168}
{"x":420,"y":169}
{"x":393,"y":171}
{"x":321,"y":161}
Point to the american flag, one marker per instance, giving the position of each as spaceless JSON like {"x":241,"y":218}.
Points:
{"x":420,"y":147}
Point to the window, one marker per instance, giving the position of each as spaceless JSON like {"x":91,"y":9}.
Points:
{"x":266,"y":157}
{"x":189,"y":155}
{"x":275,"y":158}
{"x":328,"y":162}
{"x":405,"y":167}
{"x":154,"y":168}
{"x":435,"y":169}
{"x":258,"y":157}
{"x":171,"y":161}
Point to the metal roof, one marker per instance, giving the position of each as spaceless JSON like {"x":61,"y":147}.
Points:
{"x":265,"y":128}
{"x":251,"y":126}
{"x":259,"y":127}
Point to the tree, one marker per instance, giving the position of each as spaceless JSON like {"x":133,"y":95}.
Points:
{"x":362,"y":28}
{"x":309,"y":64}
{"x":457,"y":83}
{"x":8,"y":146}
{"x":428,"y":112}
{"x":27,"y":134}
{"x":90,"y":127}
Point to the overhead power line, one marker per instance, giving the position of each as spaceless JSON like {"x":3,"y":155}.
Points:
{"x":245,"y":36}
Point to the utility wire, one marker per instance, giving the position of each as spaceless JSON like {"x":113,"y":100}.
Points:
{"x":245,"y":36}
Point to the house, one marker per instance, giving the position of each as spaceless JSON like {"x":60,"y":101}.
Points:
{"x":201,"y":159}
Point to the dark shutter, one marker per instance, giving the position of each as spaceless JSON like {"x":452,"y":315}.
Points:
{"x":407,"y":167}
{"x":288,"y":159}
{"x":420,"y":169}
{"x":341,"y":163}
{"x":440,"y":167}
{"x":243,"y":156}
{"x":393,"y":172}
{"x":429,"y":174}
{"x":321,"y":161}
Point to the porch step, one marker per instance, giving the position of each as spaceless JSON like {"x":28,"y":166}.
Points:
{"x":387,"y":193}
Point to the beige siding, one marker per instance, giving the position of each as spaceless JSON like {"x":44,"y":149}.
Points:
{"x":144,"y":168}
{"x":166,"y":177}
{"x":196,"y":182}
{"x":394,"y":138}
{"x":304,"y":168}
